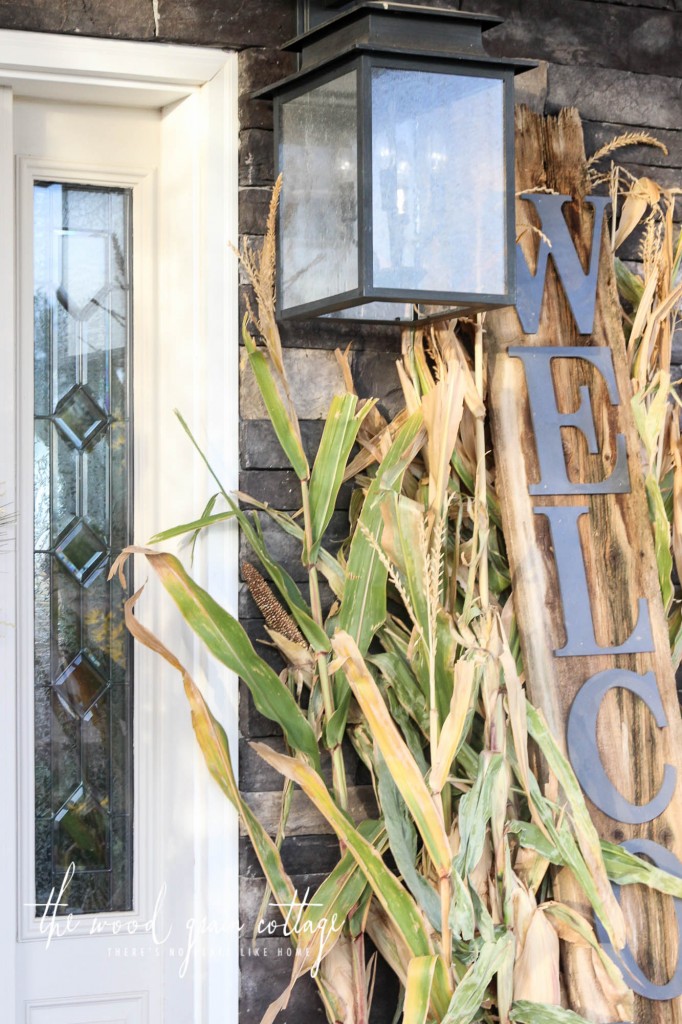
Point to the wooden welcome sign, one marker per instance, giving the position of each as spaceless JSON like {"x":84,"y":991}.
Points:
{"x":586,"y":593}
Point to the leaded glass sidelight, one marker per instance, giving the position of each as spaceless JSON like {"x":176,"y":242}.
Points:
{"x":82,"y":517}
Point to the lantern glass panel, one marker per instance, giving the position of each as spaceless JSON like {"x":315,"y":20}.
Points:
{"x":319,"y":205}
{"x":438,"y":182}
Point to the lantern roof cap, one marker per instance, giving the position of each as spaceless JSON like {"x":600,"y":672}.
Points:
{"x":387,"y":10}
{"x":394,"y":29}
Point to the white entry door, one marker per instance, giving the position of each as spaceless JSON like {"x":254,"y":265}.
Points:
{"x":117,"y":203}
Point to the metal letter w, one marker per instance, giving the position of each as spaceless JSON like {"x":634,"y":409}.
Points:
{"x":580,"y":287}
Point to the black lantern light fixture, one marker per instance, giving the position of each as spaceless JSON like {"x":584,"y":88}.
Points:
{"x":395,"y":140}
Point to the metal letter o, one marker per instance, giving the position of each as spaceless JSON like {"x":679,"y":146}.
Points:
{"x":637,"y":980}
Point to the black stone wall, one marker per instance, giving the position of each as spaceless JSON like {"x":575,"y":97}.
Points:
{"x":618,"y":62}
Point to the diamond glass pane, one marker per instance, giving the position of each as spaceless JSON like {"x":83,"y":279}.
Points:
{"x":79,"y":687}
{"x":81,"y":550}
{"x":79,"y":417}
{"x":82,"y":517}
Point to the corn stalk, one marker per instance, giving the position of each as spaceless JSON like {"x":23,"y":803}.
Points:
{"x":416,"y":666}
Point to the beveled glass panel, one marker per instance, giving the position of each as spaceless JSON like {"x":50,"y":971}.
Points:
{"x":80,"y":550}
{"x":438,"y":182}
{"x":82,"y":518}
{"x":42,"y":631}
{"x":81,"y":829}
{"x":319,"y":204}
{"x":79,"y":417}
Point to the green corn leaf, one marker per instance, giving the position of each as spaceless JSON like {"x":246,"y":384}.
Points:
{"x":627,"y":868}
{"x":403,"y":843}
{"x":533,"y":838}
{"x":314,"y":634}
{"x":413,"y":737}
{"x":215,"y":748}
{"x":467,"y":758}
{"x":357,"y":920}
{"x":630,"y":285}
{"x":569,"y":853}
{"x":338,"y":437}
{"x":396,"y":902}
{"x":341,"y":891}
{"x":462,"y":914}
{"x":327,"y":564}
{"x":420,"y":974}
{"x":592,"y":873}
{"x":470,"y":993}
{"x":484,"y":921}
{"x":299,"y":609}
{"x":195,"y":526}
{"x":662,"y":542}
{"x":622,"y":867}
{"x":402,"y":766}
{"x":475,"y":809}
{"x":208,"y":509}
{"x":469,"y":481}
{"x":363,"y":608}
{"x":675,"y":636}
{"x":284,"y":425}
{"x":446,"y":655}
{"x":525,"y":1012}
{"x":400,"y":678}
{"x":336,"y":726}
{"x":404,"y":541}
{"x":228,"y":642}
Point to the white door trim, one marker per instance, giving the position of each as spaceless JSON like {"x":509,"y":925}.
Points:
{"x":145,"y":75}
{"x":115,"y":71}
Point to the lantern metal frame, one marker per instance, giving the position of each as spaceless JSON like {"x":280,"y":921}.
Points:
{"x":350,"y":42}
{"x":311,"y":13}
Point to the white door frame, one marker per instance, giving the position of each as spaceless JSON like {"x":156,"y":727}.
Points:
{"x":197,"y":92}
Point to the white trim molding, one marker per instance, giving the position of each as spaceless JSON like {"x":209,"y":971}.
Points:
{"x":112,"y":71}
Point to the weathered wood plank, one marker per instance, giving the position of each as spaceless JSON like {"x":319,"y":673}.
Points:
{"x":619,"y":560}
{"x":530,"y":88}
{"x":602,"y":94}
